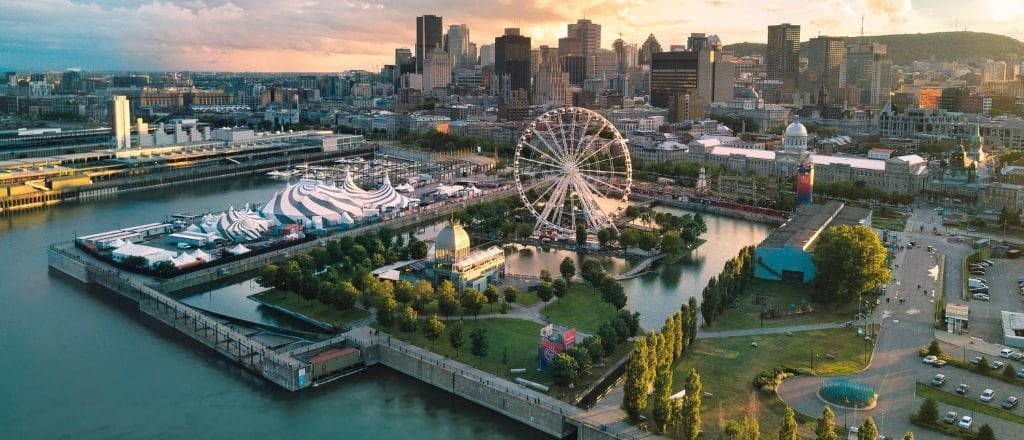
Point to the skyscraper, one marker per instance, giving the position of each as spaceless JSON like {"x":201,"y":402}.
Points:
{"x":404,"y":63}
{"x":650,"y":46}
{"x":588,"y":33}
{"x":512,"y":61}
{"x":672,"y":74}
{"x":696,"y":41}
{"x":122,"y":123}
{"x":428,"y":36}
{"x":456,"y":43}
{"x":825,"y":57}
{"x":437,"y":70}
{"x":869,"y":69}
{"x":783,"y":61}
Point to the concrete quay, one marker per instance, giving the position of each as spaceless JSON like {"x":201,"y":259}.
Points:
{"x":542,"y":412}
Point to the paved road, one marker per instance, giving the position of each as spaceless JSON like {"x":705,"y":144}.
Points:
{"x":906,"y":327}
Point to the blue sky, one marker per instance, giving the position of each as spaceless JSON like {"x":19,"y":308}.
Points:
{"x":335,"y":35}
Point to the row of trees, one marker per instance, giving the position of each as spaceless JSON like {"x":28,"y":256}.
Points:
{"x":928,"y":416}
{"x":858,"y":190}
{"x":723,"y":290}
{"x":648,"y":375}
{"x":611,"y":291}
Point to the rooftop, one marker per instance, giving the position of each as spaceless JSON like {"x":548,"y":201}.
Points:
{"x":803,"y":229}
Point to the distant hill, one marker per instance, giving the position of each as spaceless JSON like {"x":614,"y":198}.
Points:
{"x":904,"y":48}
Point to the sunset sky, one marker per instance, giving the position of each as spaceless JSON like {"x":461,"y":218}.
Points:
{"x":337,"y":35}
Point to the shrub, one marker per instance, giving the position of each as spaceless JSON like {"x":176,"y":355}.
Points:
{"x":768,"y":380}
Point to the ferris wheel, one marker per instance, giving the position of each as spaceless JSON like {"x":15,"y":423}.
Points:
{"x":572,"y":167}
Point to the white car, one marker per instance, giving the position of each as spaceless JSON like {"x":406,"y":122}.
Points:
{"x":929,"y":359}
{"x":987,"y":395}
{"x":965,"y":422}
{"x":1006,"y":352}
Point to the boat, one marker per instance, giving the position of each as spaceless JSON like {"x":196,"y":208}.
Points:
{"x":281,"y":174}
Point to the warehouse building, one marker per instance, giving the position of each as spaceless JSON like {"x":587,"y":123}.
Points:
{"x":786,"y":254}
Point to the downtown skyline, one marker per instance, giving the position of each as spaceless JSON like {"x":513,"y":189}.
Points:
{"x":281,"y":36}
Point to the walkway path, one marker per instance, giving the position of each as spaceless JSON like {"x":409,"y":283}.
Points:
{"x":768,"y":331}
{"x":639,"y":268}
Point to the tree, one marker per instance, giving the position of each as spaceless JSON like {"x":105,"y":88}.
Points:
{"x":510,"y":294}
{"x":417,"y":249}
{"x":908,"y":436}
{"x":491,"y":292}
{"x":825,"y":429}
{"x":385,"y":311}
{"x":407,"y":319}
{"x":473,"y":301}
{"x":672,"y":245}
{"x":592,"y":272}
{"x":690,"y":414}
{"x":424,"y":292}
{"x":581,"y":234}
{"x":478,"y":343}
{"x":545,"y":291}
{"x":447,"y":303}
{"x":613,"y":293}
{"x":347,"y":296}
{"x":455,"y":337}
{"x":561,"y":288}
{"x":662,"y":401}
{"x":584,"y":364}
{"x":986,"y":433}
{"x":867,"y":430}
{"x":432,"y":327}
{"x":545,"y":275}
{"x":1009,"y":375}
{"x":634,"y":388}
{"x":983,"y":366}
{"x":563,"y":369}
{"x":742,"y":429}
{"x":567,"y":268}
{"x":928,"y":413}
{"x":788,"y":426}
{"x":405,"y":292}
{"x":934,"y":349}
{"x":837,"y":281}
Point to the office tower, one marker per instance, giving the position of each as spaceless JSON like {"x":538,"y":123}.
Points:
{"x":472,"y":55}
{"x":71,"y":81}
{"x":456,"y":43}
{"x":11,"y":79}
{"x":437,"y":70}
{"x":487,"y":55}
{"x":512,"y":61}
{"x":602,"y":64}
{"x":569,"y":46}
{"x":696,"y":41}
{"x":122,"y":123}
{"x":405,"y":63}
{"x":825,"y":59}
{"x":428,"y":36}
{"x":308,"y":81}
{"x":673,"y":74}
{"x":550,"y":83}
{"x":576,"y":67}
{"x":869,"y":68}
{"x":650,"y":47}
{"x":783,"y":63}
{"x":589,"y":35}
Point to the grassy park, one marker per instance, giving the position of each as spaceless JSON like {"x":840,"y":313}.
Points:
{"x":581,"y":308}
{"x":527,"y":298}
{"x":888,"y":219}
{"x":313,"y":309}
{"x":513,"y":344}
{"x":728,"y":366}
{"x":746,"y":314}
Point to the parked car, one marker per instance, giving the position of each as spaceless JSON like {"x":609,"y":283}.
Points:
{"x":981,"y":297}
{"x":1010,"y":402}
{"x":987,"y":395}
{"x":939,"y":380}
{"x":988,"y":263}
{"x":1017,"y":356}
{"x":975,"y":360}
{"x":1006,"y":352}
{"x":939,"y":363}
{"x":962,"y":389}
{"x":950,"y":417}
{"x":1020,"y":373}
{"x":929,"y":359}
{"x":997,"y":364}
{"x":978,"y":273}
{"x":965,"y":422}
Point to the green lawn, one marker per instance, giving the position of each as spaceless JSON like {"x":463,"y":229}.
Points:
{"x":432,"y":308}
{"x":886,"y":219}
{"x":727,"y":367}
{"x":745,"y":314}
{"x":513,"y":344}
{"x":992,"y":409}
{"x":581,"y":308}
{"x":527,"y":298}
{"x":313,"y":309}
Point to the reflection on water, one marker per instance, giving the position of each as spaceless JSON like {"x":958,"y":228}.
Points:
{"x":530,"y":260}
{"x":233,"y":300}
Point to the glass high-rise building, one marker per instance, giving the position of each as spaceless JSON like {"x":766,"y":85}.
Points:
{"x":826,"y":58}
{"x":428,"y":36}
{"x":512,"y":61}
{"x":456,"y":43}
{"x":122,"y":123}
{"x":783,"y":61}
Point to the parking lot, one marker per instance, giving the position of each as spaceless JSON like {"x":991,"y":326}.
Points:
{"x":977,"y":383}
{"x":986,"y":317}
